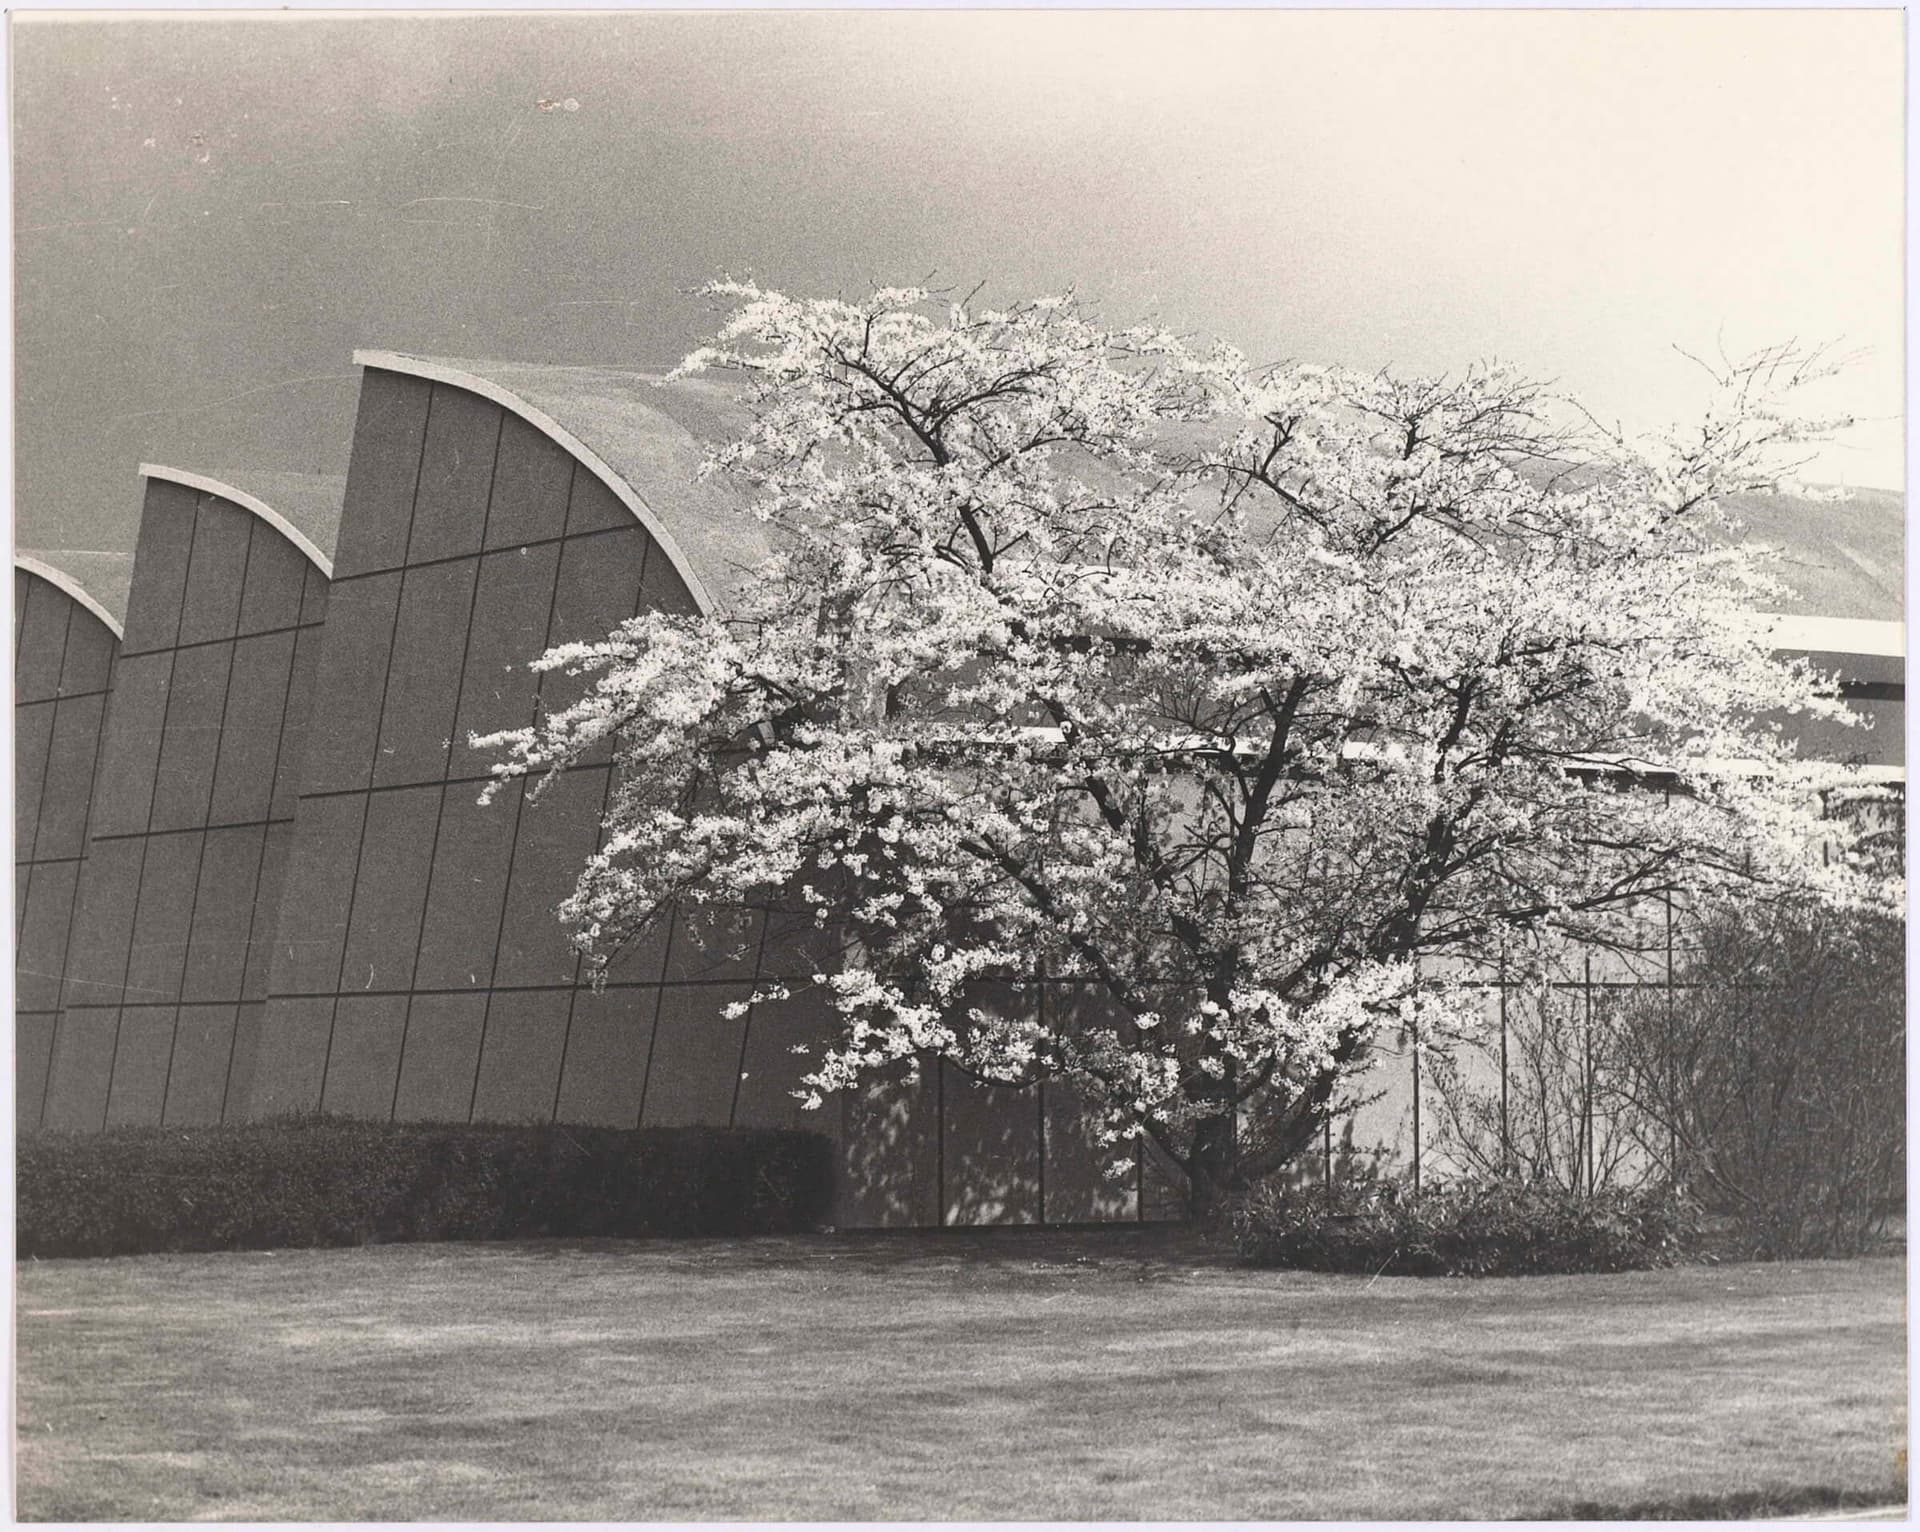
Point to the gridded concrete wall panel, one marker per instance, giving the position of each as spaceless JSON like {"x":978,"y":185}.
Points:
{"x":60,"y":829}
{"x":770,"y":1068}
{"x":1079,"y":1188}
{"x":525,"y":1040}
{"x":556,"y":832}
{"x":64,"y":650}
{"x":890,"y":1161}
{"x":423,"y":966}
{"x":423,"y":685}
{"x":990,"y":1149}
{"x":187,"y":843}
{"x":130,"y":755}
{"x":440,"y":1057}
{"x":516,"y":592}
{"x":695,"y":1065}
{"x":352,"y":668}
{"x":460,"y":935}
{"x":607,"y":1048}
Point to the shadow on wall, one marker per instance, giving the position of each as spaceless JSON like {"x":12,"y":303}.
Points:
{"x":945,"y":1149}
{"x":937,"y":1146}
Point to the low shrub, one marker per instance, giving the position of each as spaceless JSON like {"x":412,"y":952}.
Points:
{"x":305,"y":1181}
{"x":1484,"y":1228}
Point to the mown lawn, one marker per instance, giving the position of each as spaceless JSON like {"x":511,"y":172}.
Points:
{"x":1054,"y":1376}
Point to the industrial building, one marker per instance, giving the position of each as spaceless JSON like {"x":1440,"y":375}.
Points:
{"x":284,"y":894}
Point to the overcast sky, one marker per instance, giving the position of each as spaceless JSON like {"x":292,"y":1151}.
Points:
{"x":210,"y":214}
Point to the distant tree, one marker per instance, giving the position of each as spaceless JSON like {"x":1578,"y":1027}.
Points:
{"x":1233,"y":696}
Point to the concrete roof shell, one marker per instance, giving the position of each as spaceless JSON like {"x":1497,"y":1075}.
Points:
{"x":303,"y":508}
{"x":643,"y":438}
{"x":646,"y":439}
{"x":99,"y":581}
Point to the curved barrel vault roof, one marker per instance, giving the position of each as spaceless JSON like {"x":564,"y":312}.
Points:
{"x":99,"y":581}
{"x":304,"y":508}
{"x":644,"y":438}
{"x":1843,"y":559}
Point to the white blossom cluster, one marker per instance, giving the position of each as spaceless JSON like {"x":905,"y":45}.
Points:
{"x":1233,"y":704}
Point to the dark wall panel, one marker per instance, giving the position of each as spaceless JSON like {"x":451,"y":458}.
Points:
{"x":42,"y":645}
{"x":713,"y":944}
{"x":608,"y":1044}
{"x":462,"y":928}
{"x":600,"y":583}
{"x":313,"y":916}
{"x":391,"y":893}
{"x":223,"y":914}
{"x":216,"y":573}
{"x":351,"y":681}
{"x":42,"y":955}
{"x":202,"y":1048}
{"x":696,"y":1056}
{"x":992,"y":1147}
{"x":441,"y":1053}
{"x":664,"y":590}
{"x":307,"y":644}
{"x":62,"y":829}
{"x":274,"y":852}
{"x":63,"y":655}
{"x":250,"y":734}
{"x":87,"y":664}
{"x":382,"y":473}
{"x":456,"y":474}
{"x":510,"y":610}
{"x":160,"y":563}
{"x":890,"y":1153}
{"x":423,"y":682}
{"x":642,"y":960}
{"x":32,"y":1053}
{"x":771,"y":1071}
{"x":599,"y":588}
{"x":1880,"y":740}
{"x":282,"y":1070}
{"x":593,"y":507}
{"x":313,"y":600}
{"x":103,"y":922}
{"x":168,"y":882}
{"x":530,"y":487}
{"x":138,"y":1088}
{"x":191,"y":739}
{"x":32,"y":741}
{"x":526,"y":1031}
{"x":243,"y":1061}
{"x":130,"y":746}
{"x":82,"y":1062}
{"x":1079,"y":1188}
{"x":557,"y":833}
{"x":276,"y":582}
{"x":365,"y":1058}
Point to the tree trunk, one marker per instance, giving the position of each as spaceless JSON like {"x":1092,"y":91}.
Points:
{"x":1210,"y":1167}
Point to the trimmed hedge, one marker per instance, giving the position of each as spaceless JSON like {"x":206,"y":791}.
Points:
{"x":1467,"y":1229}
{"x":305,"y":1181}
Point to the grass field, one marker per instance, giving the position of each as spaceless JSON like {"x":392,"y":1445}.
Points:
{"x":1047,"y":1375}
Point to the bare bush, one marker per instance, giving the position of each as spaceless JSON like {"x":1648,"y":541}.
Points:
{"x":1774,"y":1076}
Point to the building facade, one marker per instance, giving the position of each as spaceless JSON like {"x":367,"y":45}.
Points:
{"x":287,"y":896}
